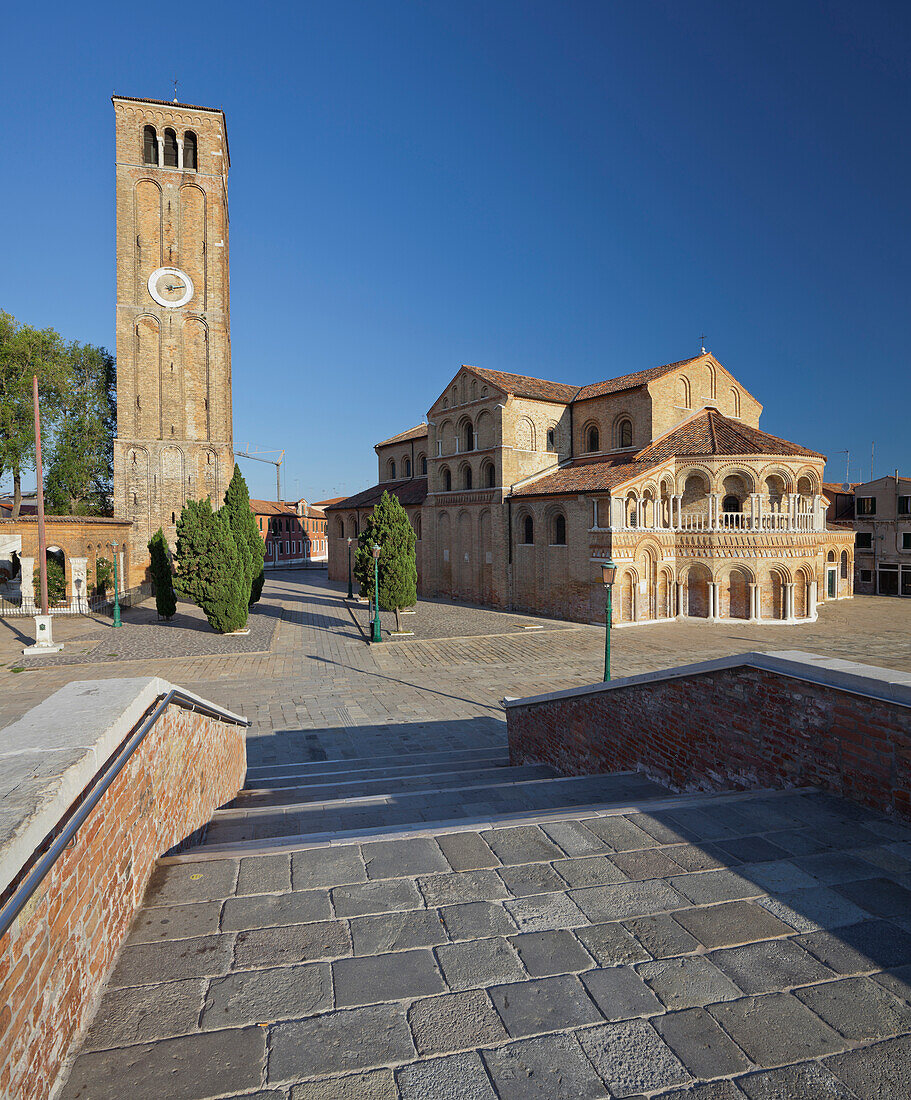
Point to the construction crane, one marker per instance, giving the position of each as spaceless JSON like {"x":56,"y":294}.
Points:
{"x":257,"y":456}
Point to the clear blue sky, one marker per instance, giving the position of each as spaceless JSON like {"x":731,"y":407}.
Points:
{"x":568,"y":190}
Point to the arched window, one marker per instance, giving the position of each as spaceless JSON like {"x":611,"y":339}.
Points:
{"x":490,"y":475}
{"x":466,"y":477}
{"x":559,"y":529}
{"x":730,"y":504}
{"x":406,"y":472}
{"x":392,"y":469}
{"x":528,"y":531}
{"x":683,"y":391}
{"x":735,"y":396}
{"x":447,"y":481}
{"x":170,"y":149}
{"x":468,"y":436}
{"x":189,"y":151}
{"x":339,"y":529}
{"x":551,"y":439}
{"x":625,"y":433}
{"x":593,"y":439}
{"x":844,"y":565}
{"x":423,"y":465}
{"x":149,"y":145}
{"x":417,"y":526}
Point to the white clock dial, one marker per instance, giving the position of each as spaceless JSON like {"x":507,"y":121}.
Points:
{"x":170,"y":287}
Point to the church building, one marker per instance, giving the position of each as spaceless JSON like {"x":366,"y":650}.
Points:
{"x":519,"y":488}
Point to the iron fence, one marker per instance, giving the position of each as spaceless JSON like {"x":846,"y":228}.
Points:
{"x":96,"y":604}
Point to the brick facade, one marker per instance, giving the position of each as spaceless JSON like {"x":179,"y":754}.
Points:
{"x":732,"y":728}
{"x":294,"y":533}
{"x":532,"y":484}
{"x":56,"y":956}
{"x":174,"y":416}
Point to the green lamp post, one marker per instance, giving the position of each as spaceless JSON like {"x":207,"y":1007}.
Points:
{"x":608,"y":572}
{"x":350,"y":590}
{"x":117,"y":621}
{"x":376,"y":636}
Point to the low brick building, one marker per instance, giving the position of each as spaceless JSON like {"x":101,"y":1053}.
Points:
{"x":882,"y":536}
{"x":294,"y":532}
{"x":531,"y":484}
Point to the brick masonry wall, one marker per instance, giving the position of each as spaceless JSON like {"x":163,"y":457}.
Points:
{"x":732,"y":729}
{"x":55,"y":958}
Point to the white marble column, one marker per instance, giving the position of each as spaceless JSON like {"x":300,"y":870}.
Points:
{"x":754,"y":603}
{"x":811,"y":602}
{"x":714,"y":600}
{"x":681,"y":600}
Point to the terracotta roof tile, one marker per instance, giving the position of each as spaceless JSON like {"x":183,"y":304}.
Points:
{"x":628,"y":381}
{"x":419,"y":431}
{"x":585,"y":477}
{"x":272,"y":508}
{"x":411,"y":491}
{"x":710,"y":433}
{"x":521,"y":385}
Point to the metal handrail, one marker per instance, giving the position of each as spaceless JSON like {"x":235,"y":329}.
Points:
{"x":18,"y":900}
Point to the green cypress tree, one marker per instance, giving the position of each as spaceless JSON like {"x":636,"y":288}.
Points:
{"x":388,"y":527}
{"x":209,"y":569}
{"x":250,"y":545}
{"x":161,"y":575}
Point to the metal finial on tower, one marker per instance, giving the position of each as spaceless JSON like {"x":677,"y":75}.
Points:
{"x":175,"y":89}
{"x":702,"y":342}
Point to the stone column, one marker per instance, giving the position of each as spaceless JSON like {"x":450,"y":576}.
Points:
{"x":26,"y":581}
{"x":812,"y":613}
{"x":681,"y":600}
{"x":755,"y":603}
{"x":180,"y":152}
{"x":79,"y":600}
{"x":714,"y":601}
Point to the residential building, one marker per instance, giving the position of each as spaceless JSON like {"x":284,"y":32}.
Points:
{"x":294,"y":532}
{"x":882,"y":536}
{"x":531,"y":485}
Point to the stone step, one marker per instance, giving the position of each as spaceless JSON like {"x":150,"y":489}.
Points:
{"x":390,"y":760}
{"x":415,"y":810}
{"x":297,"y":778}
{"x":357,"y":789}
{"x":664,"y":801}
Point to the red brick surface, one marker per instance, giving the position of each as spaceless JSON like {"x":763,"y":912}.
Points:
{"x":732,"y":729}
{"x":58,"y":953}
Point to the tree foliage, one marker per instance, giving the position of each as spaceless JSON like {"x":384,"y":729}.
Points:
{"x":209,"y":568}
{"x":165,"y":602}
{"x":249,"y":542}
{"x":388,"y":527}
{"x":24,"y":352}
{"x":56,"y":582}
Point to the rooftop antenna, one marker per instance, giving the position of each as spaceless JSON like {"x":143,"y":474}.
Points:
{"x":847,"y":484}
{"x":175,"y":89}
{"x":872,"y":453}
{"x":702,"y":342}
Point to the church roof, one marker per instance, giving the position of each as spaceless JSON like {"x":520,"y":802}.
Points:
{"x":628,"y":381}
{"x":521,"y":385}
{"x":419,"y":431}
{"x":413,"y":490}
{"x":708,"y":432}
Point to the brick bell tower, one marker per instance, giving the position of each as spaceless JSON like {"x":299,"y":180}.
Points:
{"x":174,"y":422}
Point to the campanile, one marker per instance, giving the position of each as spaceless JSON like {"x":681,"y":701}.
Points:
{"x":174,"y":422}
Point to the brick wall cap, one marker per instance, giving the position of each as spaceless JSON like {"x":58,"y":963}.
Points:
{"x":885,"y":684}
{"x":50,"y":755}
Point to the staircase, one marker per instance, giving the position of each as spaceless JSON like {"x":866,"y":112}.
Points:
{"x":300,"y":804}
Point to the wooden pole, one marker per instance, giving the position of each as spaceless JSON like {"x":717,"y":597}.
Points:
{"x":42,"y":541}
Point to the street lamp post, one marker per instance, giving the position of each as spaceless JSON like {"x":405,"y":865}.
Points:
{"x":117,"y":620}
{"x":350,"y":590}
{"x":608,"y":572}
{"x":376,"y":636}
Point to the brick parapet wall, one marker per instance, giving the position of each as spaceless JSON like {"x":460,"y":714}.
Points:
{"x":734,"y":726}
{"x":57,"y":954}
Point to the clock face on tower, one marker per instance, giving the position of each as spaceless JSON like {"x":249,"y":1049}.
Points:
{"x":170,"y":287}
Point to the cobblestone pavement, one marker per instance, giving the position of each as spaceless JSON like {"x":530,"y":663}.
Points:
{"x":751,"y":946}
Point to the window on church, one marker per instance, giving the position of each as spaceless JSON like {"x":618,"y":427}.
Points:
{"x":149,"y":145}
{"x":528,"y":531}
{"x":447,"y":481}
{"x":559,"y":530}
{"x":392,"y":470}
{"x":466,"y":478}
{"x":551,"y":439}
{"x":423,"y":465}
{"x":626,"y":433}
{"x":730,"y":504}
{"x":189,"y":151}
{"x":469,"y":437}
{"x":592,"y":439}
{"x":491,"y":475}
{"x":407,"y":470}
{"x":170,"y":149}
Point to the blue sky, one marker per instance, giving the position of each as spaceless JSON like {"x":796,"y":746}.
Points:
{"x":568,"y":190}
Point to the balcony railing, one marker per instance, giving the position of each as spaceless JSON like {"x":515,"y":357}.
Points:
{"x":758,"y":517}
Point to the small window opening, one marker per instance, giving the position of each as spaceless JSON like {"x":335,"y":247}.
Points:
{"x":149,"y":145}
{"x":560,"y":530}
{"x":593,"y":440}
{"x":189,"y":151}
{"x":529,"y":531}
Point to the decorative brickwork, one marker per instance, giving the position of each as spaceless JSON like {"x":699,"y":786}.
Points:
{"x":735,"y":726}
{"x":57,"y":954}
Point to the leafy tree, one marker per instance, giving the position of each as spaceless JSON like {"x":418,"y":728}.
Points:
{"x":249,"y":541}
{"x":80,"y":473}
{"x":165,"y":602}
{"x":209,"y":569}
{"x":24,"y":352}
{"x":388,"y":527}
{"x":104,"y":574}
{"x":56,"y":582}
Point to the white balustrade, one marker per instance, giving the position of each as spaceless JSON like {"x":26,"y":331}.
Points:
{"x":760,"y":516}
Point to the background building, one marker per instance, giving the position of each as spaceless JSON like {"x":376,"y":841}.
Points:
{"x":294,"y":532}
{"x":882,"y":539}
{"x":532,"y":484}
